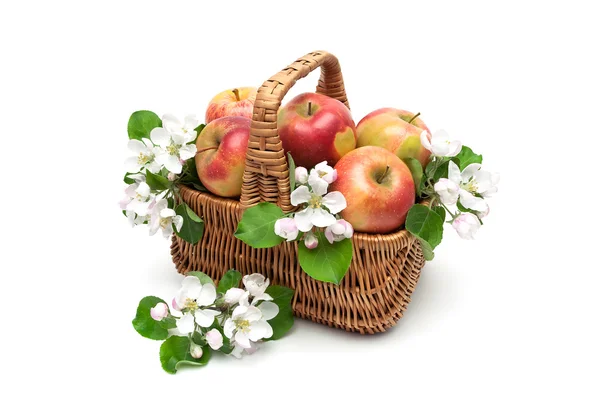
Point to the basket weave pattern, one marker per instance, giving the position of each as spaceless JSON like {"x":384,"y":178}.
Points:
{"x":385,"y":267}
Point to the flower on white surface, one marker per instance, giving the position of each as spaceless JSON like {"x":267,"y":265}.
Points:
{"x":144,"y":156}
{"x":338,"y":231}
{"x":286,"y":228}
{"x":214,"y":339}
{"x":191,"y":297}
{"x":447,"y":190}
{"x":320,"y":177}
{"x":301,"y":175}
{"x":466,"y":224}
{"x":310,"y":240}
{"x":164,"y":218}
{"x":440,"y":144}
{"x":247,"y":325}
{"x":173,"y":138}
{"x":138,"y":198}
{"x":159,"y":312}
{"x":196,"y":350}
{"x":474,"y":185}
{"x":315,"y":214}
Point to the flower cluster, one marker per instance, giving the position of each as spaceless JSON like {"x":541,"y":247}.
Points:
{"x":239,"y":315}
{"x":320,"y":208}
{"x":462,"y":193}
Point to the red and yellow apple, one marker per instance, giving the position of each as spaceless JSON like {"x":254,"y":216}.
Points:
{"x":315,"y":128}
{"x":221,"y":155}
{"x":238,"y":102}
{"x":398,"y":131}
{"x":378,"y":188}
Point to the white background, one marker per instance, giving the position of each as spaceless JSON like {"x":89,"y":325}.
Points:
{"x":513,"y":314}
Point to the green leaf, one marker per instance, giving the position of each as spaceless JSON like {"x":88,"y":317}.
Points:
{"x":425,"y":224}
{"x":127,"y":178}
{"x":416,"y":170}
{"x":199,"y":130}
{"x":145,"y":325}
{"x":427,"y":250}
{"x":441,"y":211}
{"x":292,"y":171}
{"x":257,"y":227}
{"x":327,"y":262}
{"x":204,"y":279}
{"x":467,"y":157}
{"x":141,"y":124}
{"x":231,"y":279}
{"x":192,"y":228}
{"x":157,"y":182}
{"x":175,"y":352}
{"x":191,"y":177}
{"x":282,"y":296}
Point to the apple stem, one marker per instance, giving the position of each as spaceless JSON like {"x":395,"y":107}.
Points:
{"x":387,"y":169}
{"x":237,"y":94}
{"x":309,"y":108}
{"x":206,"y":148}
{"x":415,"y":117}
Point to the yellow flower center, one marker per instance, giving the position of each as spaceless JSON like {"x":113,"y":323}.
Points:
{"x":322,"y":174}
{"x":190,"y":304}
{"x":242,"y":325}
{"x":315,"y":201}
{"x":143,"y":159}
{"x":470,"y":186}
{"x":164,"y":222}
{"x":173,"y":149}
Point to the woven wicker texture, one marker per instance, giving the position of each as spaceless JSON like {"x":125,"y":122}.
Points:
{"x":385,"y":268}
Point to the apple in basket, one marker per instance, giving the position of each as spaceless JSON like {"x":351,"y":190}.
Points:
{"x":398,"y":131}
{"x":378,"y":188}
{"x":315,"y":128}
{"x":238,"y":102}
{"x":221,"y":155}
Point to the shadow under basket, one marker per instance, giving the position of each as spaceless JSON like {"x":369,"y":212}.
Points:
{"x":385,"y":268}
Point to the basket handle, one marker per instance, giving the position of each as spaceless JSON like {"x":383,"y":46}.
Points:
{"x":266,"y":176}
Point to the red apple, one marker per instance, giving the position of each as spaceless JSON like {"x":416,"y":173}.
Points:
{"x":398,"y":131}
{"x":222,"y":155}
{"x":378,"y":187}
{"x":315,"y":128}
{"x":237,"y":102}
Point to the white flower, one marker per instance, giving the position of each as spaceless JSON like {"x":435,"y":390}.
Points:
{"x":256,"y":285}
{"x":247,"y":324}
{"x":440,"y":144}
{"x":310,"y":240}
{"x":195,"y":350}
{"x":135,"y":219}
{"x":447,"y":190}
{"x":214,"y":339}
{"x":238,"y":350}
{"x":164,"y":218}
{"x":171,"y":176}
{"x":234,"y":295}
{"x":144,"y":156}
{"x":466,"y":224}
{"x":315,"y":214}
{"x":338,"y":231}
{"x":138,"y":198}
{"x":301,"y":175}
{"x":173,"y":139}
{"x":320,"y":177}
{"x":482,"y":214}
{"x":159,"y":311}
{"x":473,"y":181}
{"x":286,"y":228}
{"x":190,"y":298}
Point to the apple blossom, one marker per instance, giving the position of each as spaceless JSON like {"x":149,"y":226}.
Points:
{"x":191,"y":297}
{"x":164,"y":218}
{"x":256,"y":285}
{"x":195,"y":350}
{"x":315,"y":214}
{"x":338,"y":231}
{"x":440,"y":144}
{"x":320,"y":177}
{"x":159,"y":312}
{"x":138,"y":198}
{"x":135,"y":219}
{"x":310,"y":240}
{"x":234,"y":295}
{"x":301,"y":175}
{"x":473,"y":184}
{"x":239,"y":350}
{"x":286,"y":228}
{"x":247,"y":325}
{"x":144,"y":158}
{"x":466,"y":224}
{"x":214,"y":339}
{"x":173,"y":139}
{"x":447,"y":190}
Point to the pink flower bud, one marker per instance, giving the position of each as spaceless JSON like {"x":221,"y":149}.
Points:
{"x":310,"y":240}
{"x":286,"y":228}
{"x":159,"y":312}
{"x":214,"y":339}
{"x":195,"y":350}
{"x":339,"y":231}
{"x":301,"y":175}
{"x":466,"y":224}
{"x":171,"y":176}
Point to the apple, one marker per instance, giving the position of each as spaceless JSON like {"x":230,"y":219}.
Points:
{"x":398,"y":131}
{"x":378,"y":188}
{"x":315,"y":128}
{"x":221,"y":155}
{"x":237,"y":102}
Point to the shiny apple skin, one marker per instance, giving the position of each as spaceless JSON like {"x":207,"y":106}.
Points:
{"x":225,"y":104}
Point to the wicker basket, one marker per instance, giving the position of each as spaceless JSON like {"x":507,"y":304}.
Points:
{"x":385,"y":268}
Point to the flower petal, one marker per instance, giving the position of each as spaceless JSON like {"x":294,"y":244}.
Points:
{"x":453,"y":172}
{"x":425,"y":141}
{"x":335,"y":202}
{"x":185,"y":324}
{"x":233,"y":295}
{"x":137,"y":146}
{"x":322,"y":218}
{"x":188,"y":151}
{"x":171,"y":123}
{"x":268,"y":309}
{"x":177,"y":222}
{"x":300,"y":195}
{"x":454,"y":148}
{"x":190,"y":122}
{"x":318,"y":184}
{"x":172,"y":164}
{"x":228,"y":328}
{"x":472,"y":202}
{"x":191,"y":288}
{"x":260,"y":330}
{"x":469,"y":171}
{"x":207,"y":296}
{"x":242,"y":339}
{"x":205,"y":318}
{"x":132,"y":165}
{"x":160,"y":137}
{"x":303,"y":219}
